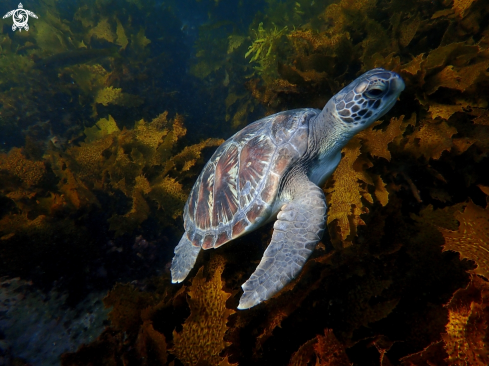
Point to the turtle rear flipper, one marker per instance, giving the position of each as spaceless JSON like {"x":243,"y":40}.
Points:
{"x":299,"y":227}
{"x":184,"y":259}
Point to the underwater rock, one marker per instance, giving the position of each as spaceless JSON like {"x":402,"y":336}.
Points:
{"x":40,"y":327}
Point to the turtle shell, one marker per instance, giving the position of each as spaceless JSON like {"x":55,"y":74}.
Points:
{"x":236,"y":189}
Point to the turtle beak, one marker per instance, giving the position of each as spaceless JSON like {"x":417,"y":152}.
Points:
{"x":395,"y":88}
{"x":398,"y":84}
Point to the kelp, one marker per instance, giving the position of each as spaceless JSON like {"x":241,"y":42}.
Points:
{"x":202,"y":336}
{"x":144,"y":318}
{"x":345,"y":202}
{"x":46,"y":201}
{"x":471,"y":240}
{"x":326,"y":350}
{"x":465,"y":338}
{"x":84,"y":57}
{"x":29,"y":172}
{"x":113,"y":160}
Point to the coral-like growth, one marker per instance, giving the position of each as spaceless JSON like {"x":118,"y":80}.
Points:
{"x":29,"y":172}
{"x":472,"y":238}
{"x":88,"y":161}
{"x":234,"y":42}
{"x":329,"y":351}
{"x":190,"y":155}
{"x":434,"y":354}
{"x":349,"y":188}
{"x":466,"y":339}
{"x":151,"y":342}
{"x":103,"y":30}
{"x":201,"y":339}
{"x":126,"y":303}
{"x":168,"y":194}
{"x":104,"y":127}
{"x":460,"y":6}
{"x":131,"y":220}
{"x":431,"y":140}
{"x":376,"y":141}
{"x":110,"y":95}
{"x":304,"y":355}
{"x":345,"y":199}
{"x":326,"y":350}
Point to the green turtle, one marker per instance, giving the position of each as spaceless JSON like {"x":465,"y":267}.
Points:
{"x":274,"y":169}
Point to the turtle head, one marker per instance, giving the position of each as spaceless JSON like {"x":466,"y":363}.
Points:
{"x":366,"y":99}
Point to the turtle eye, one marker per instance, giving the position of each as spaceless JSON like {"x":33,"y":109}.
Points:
{"x":375,"y":91}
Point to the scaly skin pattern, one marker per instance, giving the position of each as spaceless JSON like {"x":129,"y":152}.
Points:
{"x":299,"y":226}
{"x":275,"y":167}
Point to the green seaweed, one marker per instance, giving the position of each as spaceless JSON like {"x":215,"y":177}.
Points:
{"x":261,"y":49}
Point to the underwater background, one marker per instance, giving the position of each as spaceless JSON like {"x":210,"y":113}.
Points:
{"x":108,"y":112}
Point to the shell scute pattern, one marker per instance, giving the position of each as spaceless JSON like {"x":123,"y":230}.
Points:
{"x":283,"y":158}
{"x":255,"y":211}
{"x":241,"y":180}
{"x":205,"y":195}
{"x":250,"y":130}
{"x":285,"y":124}
{"x":254,"y":162}
{"x":225,"y":203}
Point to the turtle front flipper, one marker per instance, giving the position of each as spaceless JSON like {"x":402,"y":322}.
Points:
{"x":184,"y":259}
{"x":299,"y":227}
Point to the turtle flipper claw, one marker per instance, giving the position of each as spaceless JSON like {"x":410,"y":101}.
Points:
{"x":184,"y":259}
{"x":299,"y":227}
